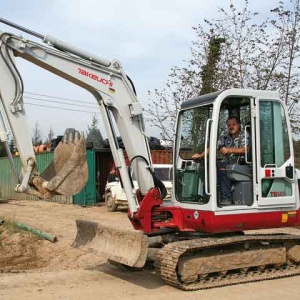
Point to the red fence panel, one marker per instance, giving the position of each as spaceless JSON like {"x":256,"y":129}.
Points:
{"x":161,"y":156}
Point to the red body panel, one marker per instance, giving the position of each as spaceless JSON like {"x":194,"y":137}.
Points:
{"x":209,"y":222}
{"x":152,"y":218}
{"x":142,"y":220}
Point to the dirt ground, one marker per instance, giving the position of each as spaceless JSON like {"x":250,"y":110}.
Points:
{"x":34,"y":268}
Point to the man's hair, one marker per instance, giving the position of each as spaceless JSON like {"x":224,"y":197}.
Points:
{"x":233,"y":117}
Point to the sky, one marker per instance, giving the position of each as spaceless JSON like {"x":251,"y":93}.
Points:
{"x":149,"y":37}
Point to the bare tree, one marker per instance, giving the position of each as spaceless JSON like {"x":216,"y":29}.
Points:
{"x":253,"y":54}
{"x":288,"y":24}
{"x":50,"y":136}
{"x":37,"y":137}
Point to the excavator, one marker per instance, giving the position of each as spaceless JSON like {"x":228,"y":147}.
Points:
{"x":193,"y":241}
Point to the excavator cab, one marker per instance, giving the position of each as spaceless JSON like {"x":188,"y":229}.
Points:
{"x":197,"y":126}
{"x":263,"y":177}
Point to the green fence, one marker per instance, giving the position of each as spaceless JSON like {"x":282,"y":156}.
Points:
{"x":87,"y":196}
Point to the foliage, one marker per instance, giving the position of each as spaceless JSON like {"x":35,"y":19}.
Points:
{"x":11,"y":145}
{"x":297,"y":153}
{"x":250,"y":53}
{"x":2,"y":150}
{"x":94,"y":123}
{"x":209,"y":71}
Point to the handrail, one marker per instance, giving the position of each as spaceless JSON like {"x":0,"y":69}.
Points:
{"x":247,"y":127}
{"x":206,"y":188}
{"x":246,"y":146}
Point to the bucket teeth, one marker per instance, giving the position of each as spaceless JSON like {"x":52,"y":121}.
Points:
{"x":126,"y":247}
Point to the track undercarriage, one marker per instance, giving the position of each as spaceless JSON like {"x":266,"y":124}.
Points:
{"x":193,"y":261}
{"x":204,"y":263}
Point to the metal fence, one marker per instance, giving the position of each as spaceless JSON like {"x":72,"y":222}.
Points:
{"x":8,"y":180}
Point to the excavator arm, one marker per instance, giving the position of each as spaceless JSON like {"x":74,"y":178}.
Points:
{"x":121,"y":114}
{"x":67,"y":173}
{"x":105,"y":80}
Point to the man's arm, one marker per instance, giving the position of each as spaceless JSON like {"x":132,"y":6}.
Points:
{"x":198,"y":155}
{"x":235,"y":151}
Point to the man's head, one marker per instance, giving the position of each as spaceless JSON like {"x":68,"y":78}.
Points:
{"x":233,"y":126}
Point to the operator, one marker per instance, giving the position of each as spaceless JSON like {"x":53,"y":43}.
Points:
{"x":112,"y":176}
{"x":232,"y":148}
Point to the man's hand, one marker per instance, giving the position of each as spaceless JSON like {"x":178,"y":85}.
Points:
{"x":225,"y":150}
{"x":235,"y":151}
{"x":198,"y":155}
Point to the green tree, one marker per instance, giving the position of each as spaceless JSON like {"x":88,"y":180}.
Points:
{"x":208,"y":73}
{"x":2,"y":150}
{"x":297,"y":153}
{"x":252,"y":54}
{"x":94,"y":123}
{"x":94,"y":138}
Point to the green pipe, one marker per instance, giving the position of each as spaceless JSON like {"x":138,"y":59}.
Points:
{"x":35,"y":231}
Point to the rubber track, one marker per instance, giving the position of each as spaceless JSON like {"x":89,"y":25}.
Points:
{"x":168,"y":257}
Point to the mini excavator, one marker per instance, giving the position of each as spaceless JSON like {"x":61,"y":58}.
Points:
{"x":193,"y":241}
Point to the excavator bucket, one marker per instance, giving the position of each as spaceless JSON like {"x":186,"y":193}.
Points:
{"x":67,"y":174}
{"x":126,"y":247}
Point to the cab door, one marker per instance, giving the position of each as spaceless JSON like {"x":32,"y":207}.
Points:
{"x":275,"y":159}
